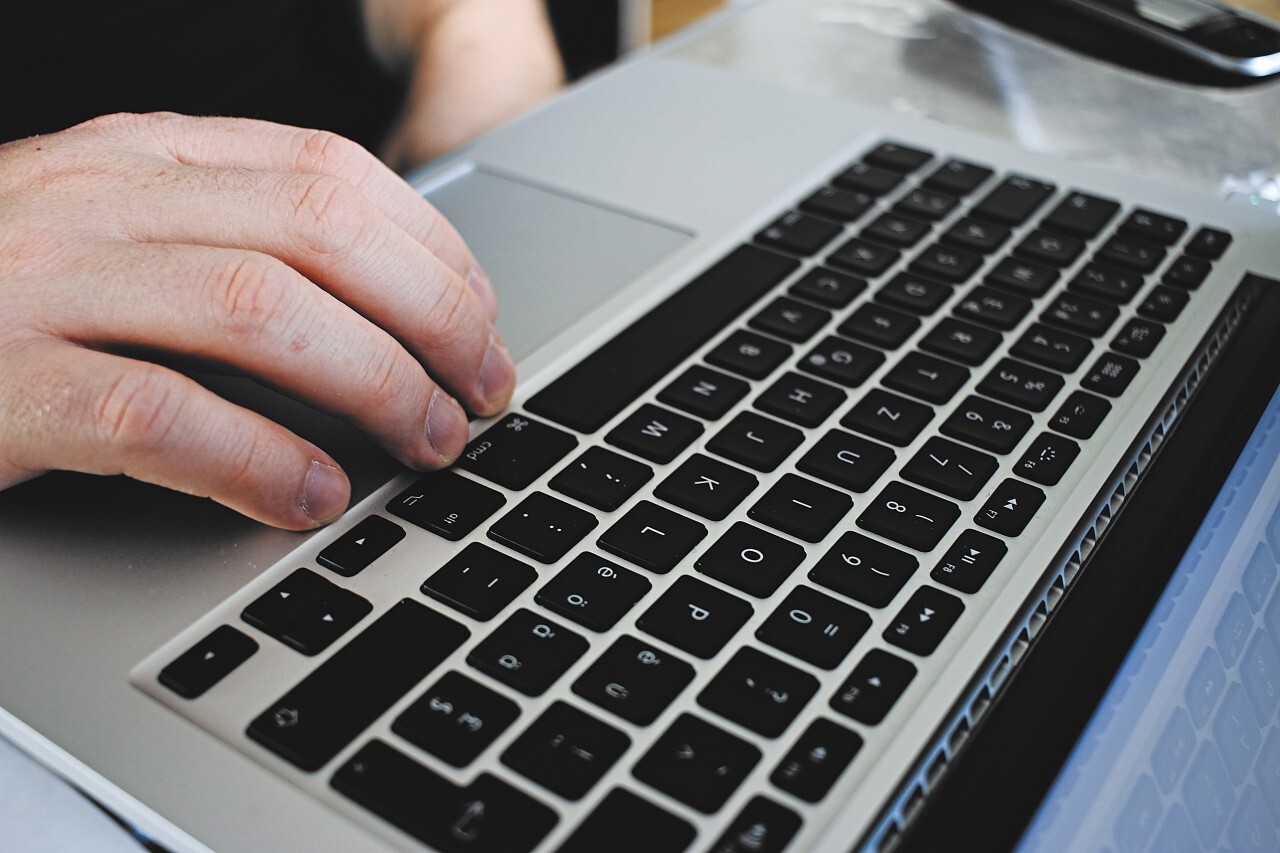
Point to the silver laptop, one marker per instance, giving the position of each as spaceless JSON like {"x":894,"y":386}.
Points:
{"x":822,"y":410}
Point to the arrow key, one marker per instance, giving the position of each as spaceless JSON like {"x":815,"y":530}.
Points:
{"x":207,"y":662}
{"x":352,"y":552}
{"x":325,"y":621}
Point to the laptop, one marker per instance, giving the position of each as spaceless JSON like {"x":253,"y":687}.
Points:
{"x":823,"y":410}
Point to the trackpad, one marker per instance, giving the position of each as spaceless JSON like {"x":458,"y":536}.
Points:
{"x":552,"y":257}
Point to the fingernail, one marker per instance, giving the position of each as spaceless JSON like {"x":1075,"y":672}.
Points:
{"x":479,"y":282}
{"x":446,"y":426}
{"x":497,"y":374}
{"x":325,"y":493}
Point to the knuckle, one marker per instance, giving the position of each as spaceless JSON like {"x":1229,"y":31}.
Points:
{"x":329,"y":214}
{"x":446,"y":320}
{"x":385,"y":380}
{"x":326,"y":153}
{"x":255,"y":294}
{"x":138,"y":411}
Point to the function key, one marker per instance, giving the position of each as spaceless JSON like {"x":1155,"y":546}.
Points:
{"x":696,"y":617}
{"x":749,"y":354}
{"x":863,"y":258}
{"x":924,"y":621}
{"x":961,"y":341}
{"x":758,"y":692}
{"x":957,"y":177}
{"x":1054,"y":249}
{"x":1082,"y":215}
{"x":353,"y":551}
{"x":847,"y":460}
{"x":993,"y":308}
{"x":816,"y":760}
{"x":516,"y":451}
{"x":899,"y":158}
{"x":750,"y":559}
{"x":1080,"y":314}
{"x":910,"y":516}
{"x":706,"y":486}
{"x":593,"y":592}
{"x":950,"y":468}
{"x":969,"y":561}
{"x":867,"y":179}
{"x":1164,"y":304}
{"x":1081,"y":415}
{"x":801,"y":508}
{"x":527,"y":652}
{"x":479,"y":581}
{"x":1022,"y":277}
{"x":207,"y":662}
{"x":623,"y":815}
{"x":988,"y":425}
{"x":1208,"y":243}
{"x":1052,"y":347}
{"x":888,"y":417}
{"x":543,"y":527}
{"x":841,"y":361}
{"x":652,"y":537}
{"x":895,"y":230}
{"x":601,"y":478}
{"x":787,"y":318}
{"x":827,"y":287}
{"x":566,"y":751}
{"x":1138,"y":337}
{"x":1021,"y":384}
{"x":1187,"y":272}
{"x":1107,"y":283}
{"x":696,"y":763}
{"x":456,"y":719}
{"x":762,"y":826}
{"x":1131,"y":253}
{"x":447,"y":504}
{"x":914,"y":293}
{"x":882,"y":327}
{"x":654,"y":433}
{"x":1047,"y":459}
{"x":756,"y":441}
{"x":864,"y":569}
{"x":800,"y":399}
{"x":977,"y":236}
{"x":835,"y":203}
{"x":927,"y":204}
{"x":704,"y":392}
{"x":931,"y":379}
{"x":947,"y":263}
{"x":1013,"y":201}
{"x":1010,"y":508}
{"x":873,"y":687}
{"x":814,"y":627}
{"x":798,"y":234}
{"x":1111,"y":375}
{"x":634,"y":680}
{"x":1154,"y":227}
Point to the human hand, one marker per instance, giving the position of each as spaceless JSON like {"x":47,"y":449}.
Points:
{"x":291,"y":255}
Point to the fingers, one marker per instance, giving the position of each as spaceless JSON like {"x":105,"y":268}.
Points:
{"x":74,"y":409}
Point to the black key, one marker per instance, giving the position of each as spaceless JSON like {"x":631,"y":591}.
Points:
{"x":446,"y":503}
{"x":543,"y":527}
{"x":654,"y":433}
{"x":516,"y":451}
{"x":800,"y":399}
{"x":1080,"y":314}
{"x":828,"y":287}
{"x":816,"y":760}
{"x":479,"y":581}
{"x":696,"y":763}
{"x":324,"y":621}
{"x":1131,"y":254}
{"x":706,"y":486}
{"x":652,"y":537}
{"x":749,"y":354}
{"x":1081,"y":415}
{"x":1113,"y":285}
{"x":1082,"y":215}
{"x":762,"y":826}
{"x":1052,"y":347}
{"x":873,"y":687}
{"x":969,"y":561}
{"x":1047,"y":459}
{"x":1208,"y":243}
{"x":944,"y":262}
{"x":846,"y":460}
{"x":353,"y":551}
{"x":864,"y":569}
{"x":898,"y":158}
{"x":1013,"y":201}
{"x":593,"y":592}
{"x":888,"y":417}
{"x":841,"y":361}
{"x":961,"y":341}
{"x":756,"y":441}
{"x":278,"y":607}
{"x":1187,"y":272}
{"x":1164,"y":304}
{"x":625,"y":823}
{"x":988,"y":425}
{"x":801,"y":508}
{"x":913,"y":293}
{"x":206,"y":663}
{"x":894,"y":230}
{"x":634,"y":680}
{"x":958,"y":177}
{"x":527,"y":652}
{"x":928,"y":204}
{"x":1021,"y":384}
{"x":309,"y":724}
{"x":1154,"y":227}
{"x":977,"y":236}
{"x":993,"y":308}
{"x":601,"y":478}
{"x":924,"y":621}
{"x":787,"y":318}
{"x":487,"y":816}
{"x":566,"y":751}
{"x":1138,"y":337}
{"x":695,"y":616}
{"x":798,"y":234}
{"x":1056,"y":250}
{"x":883,"y":327}
{"x":456,"y":719}
{"x":814,"y":627}
{"x":950,"y":468}
{"x":931,"y":379}
{"x":758,"y":692}
{"x":1111,"y":374}
{"x":905,"y":514}
{"x":1022,"y":277}
{"x":863,"y":258}
{"x":868,"y":179}
{"x":1010,"y":508}
{"x":750,"y":559}
{"x":704,"y":392}
{"x":835,"y":203}
{"x":610,"y":379}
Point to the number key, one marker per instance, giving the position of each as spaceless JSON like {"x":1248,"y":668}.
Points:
{"x":988,"y":425}
{"x":905,"y":514}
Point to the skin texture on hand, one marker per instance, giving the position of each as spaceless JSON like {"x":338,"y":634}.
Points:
{"x":293,"y":256}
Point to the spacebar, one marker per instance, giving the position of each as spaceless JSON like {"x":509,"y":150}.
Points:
{"x":612,"y":377}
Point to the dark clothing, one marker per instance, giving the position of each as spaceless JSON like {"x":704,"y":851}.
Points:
{"x":301,"y":62}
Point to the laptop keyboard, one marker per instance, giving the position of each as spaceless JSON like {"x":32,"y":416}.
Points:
{"x":892,"y":378}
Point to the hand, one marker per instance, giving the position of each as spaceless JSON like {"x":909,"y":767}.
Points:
{"x":291,"y":255}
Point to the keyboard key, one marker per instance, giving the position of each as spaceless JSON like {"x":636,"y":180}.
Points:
{"x":878,"y":326}
{"x":756,"y":441}
{"x":898,"y":158}
{"x":835,"y":203}
{"x":625,"y":823}
{"x":969,"y":561}
{"x":353,"y":551}
{"x":1208,"y":243}
{"x":988,"y":425}
{"x":925,"y":620}
{"x":816,"y":760}
{"x":593,"y":592}
{"x":947,"y":263}
{"x":1082,"y":215}
{"x":1187,"y":273}
{"x":873,"y":687}
{"x":1010,"y":508}
{"x":950,"y":468}
{"x":697,"y":763}
{"x":1081,"y":415}
{"x":1131,"y":254}
{"x":928,"y":204}
{"x":1080,"y":314}
{"x":993,"y":308}
{"x":1056,"y":250}
{"x":1022,"y":385}
{"x":888,"y":417}
{"x":479,"y":581}
{"x":1022,"y":277}
{"x":749,"y":354}
{"x":841,"y":361}
{"x":527,"y":652}
{"x":1013,"y":200}
{"x":863,"y":258}
{"x":276,"y":608}
{"x":652,"y":537}
{"x":931,"y":379}
{"x":696,"y":617}
{"x":206,"y":663}
{"x":1154,"y":227}
{"x":634,"y":680}
{"x":1047,"y":459}
{"x":1164,"y":304}
{"x":1113,"y":285}
{"x":800,"y":399}
{"x":706,"y":486}
{"x":814,"y":627}
{"x":758,"y":692}
{"x":516,"y":451}
{"x":654,"y":433}
{"x":1052,"y":347}
{"x":914,"y":293}
{"x":864,"y":569}
{"x":1111,"y":374}
{"x":750,"y":559}
{"x":801,"y":508}
{"x":798,"y":234}
{"x":762,"y":826}
{"x":543,"y":527}
{"x":601,"y":478}
{"x":315,"y":628}
{"x":868,"y":179}
{"x":847,"y":461}
{"x":977,"y":236}
{"x":1138,"y":337}
{"x":310,"y":723}
{"x":907,"y":515}
{"x":566,"y":751}
{"x":790,"y":319}
{"x":828,"y":287}
{"x":958,"y":177}
{"x":456,"y":719}
{"x":961,"y":341}
{"x":895,"y":230}
{"x":447,"y":504}
{"x":704,"y":392}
